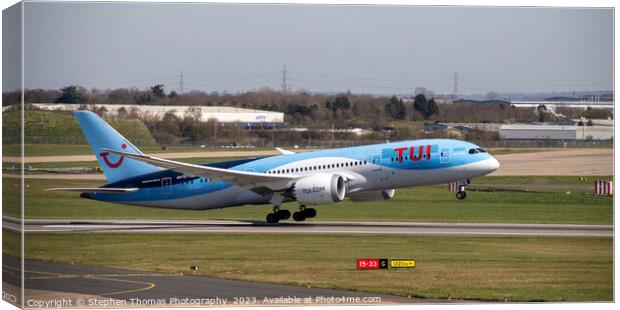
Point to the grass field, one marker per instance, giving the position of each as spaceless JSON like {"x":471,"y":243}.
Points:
{"x":516,"y":200}
{"x":492,"y":268}
{"x":83,"y":149}
{"x":52,"y":126}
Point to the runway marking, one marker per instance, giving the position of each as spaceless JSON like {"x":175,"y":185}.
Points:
{"x":51,"y":275}
{"x":68,"y":226}
{"x":107,"y":277}
{"x":149,"y":285}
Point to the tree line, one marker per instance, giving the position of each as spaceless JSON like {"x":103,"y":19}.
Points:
{"x":387,"y":116}
{"x":302,"y":108}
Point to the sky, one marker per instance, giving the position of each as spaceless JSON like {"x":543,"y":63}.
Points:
{"x":326,"y":48}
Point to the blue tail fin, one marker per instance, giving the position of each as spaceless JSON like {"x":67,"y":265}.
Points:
{"x":101,"y":135}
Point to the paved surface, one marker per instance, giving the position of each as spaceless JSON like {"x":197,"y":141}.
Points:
{"x":315,"y":227}
{"x":85,"y":285}
{"x":570,"y":162}
{"x":567,"y":162}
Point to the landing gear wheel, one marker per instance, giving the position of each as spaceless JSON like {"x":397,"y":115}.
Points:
{"x":273,"y":218}
{"x":461,"y":195}
{"x":309,"y":212}
{"x":284,"y":214}
{"x":299,"y":216}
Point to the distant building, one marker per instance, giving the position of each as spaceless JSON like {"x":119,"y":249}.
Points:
{"x":249,"y":117}
{"x":555,"y":132}
{"x":493,"y":127}
{"x":483,"y":102}
{"x":434,"y":127}
{"x":569,"y":104}
{"x":462,"y":128}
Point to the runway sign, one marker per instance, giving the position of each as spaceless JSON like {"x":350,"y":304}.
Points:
{"x":367,"y":263}
{"x":402,"y":263}
{"x":372,"y":263}
{"x":603,"y":188}
{"x":384,"y":263}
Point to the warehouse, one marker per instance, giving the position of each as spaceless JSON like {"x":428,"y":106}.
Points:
{"x":222,"y":114}
{"x":555,"y":132}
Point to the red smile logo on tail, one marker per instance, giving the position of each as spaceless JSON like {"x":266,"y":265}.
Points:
{"x":112,"y":165}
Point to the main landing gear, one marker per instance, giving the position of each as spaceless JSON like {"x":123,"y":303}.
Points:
{"x":278,"y":215}
{"x":299,"y":216}
{"x":461,"y":194}
{"x":304,"y":213}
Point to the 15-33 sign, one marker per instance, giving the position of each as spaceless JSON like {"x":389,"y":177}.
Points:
{"x":384,"y":263}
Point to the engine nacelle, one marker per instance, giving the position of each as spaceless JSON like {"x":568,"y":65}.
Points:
{"x":320,"y":189}
{"x":372,"y":195}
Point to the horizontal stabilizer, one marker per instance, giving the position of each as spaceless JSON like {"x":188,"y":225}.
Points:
{"x":95,"y":190}
{"x":284,"y":152}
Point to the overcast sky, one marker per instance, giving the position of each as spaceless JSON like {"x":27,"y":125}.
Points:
{"x":371,"y":49}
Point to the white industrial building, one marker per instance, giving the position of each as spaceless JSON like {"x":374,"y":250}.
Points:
{"x":555,"y":132}
{"x":222,"y":114}
{"x":569,"y":104}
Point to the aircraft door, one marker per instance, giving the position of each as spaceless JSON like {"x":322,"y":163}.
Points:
{"x":166,"y":185}
{"x":444,"y":155}
{"x":376,"y":160}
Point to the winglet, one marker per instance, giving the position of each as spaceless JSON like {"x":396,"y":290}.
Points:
{"x":284,"y":152}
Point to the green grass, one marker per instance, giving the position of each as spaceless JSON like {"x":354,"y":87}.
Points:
{"x":83,"y":149}
{"x":540,"y":204}
{"x":491,"y":268}
{"x":52,"y":126}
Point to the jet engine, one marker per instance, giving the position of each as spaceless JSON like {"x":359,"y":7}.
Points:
{"x":372,"y":195}
{"x":319,"y":189}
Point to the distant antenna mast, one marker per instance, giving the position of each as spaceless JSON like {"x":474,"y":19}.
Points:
{"x":456,"y":84}
{"x":284,"y":86}
{"x":181,"y":81}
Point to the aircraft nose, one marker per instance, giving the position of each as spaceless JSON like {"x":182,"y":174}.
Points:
{"x":492,"y":165}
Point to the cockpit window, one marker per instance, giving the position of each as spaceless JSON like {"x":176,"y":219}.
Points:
{"x":481,"y":150}
{"x":473,"y":151}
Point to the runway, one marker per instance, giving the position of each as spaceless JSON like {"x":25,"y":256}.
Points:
{"x":310,"y":227}
{"x":89,"y":286}
{"x":565,"y":162}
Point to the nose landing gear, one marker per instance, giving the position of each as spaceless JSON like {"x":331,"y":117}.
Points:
{"x":459,"y":188}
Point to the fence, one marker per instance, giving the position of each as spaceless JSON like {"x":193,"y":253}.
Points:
{"x":314,"y":143}
{"x":543,"y":143}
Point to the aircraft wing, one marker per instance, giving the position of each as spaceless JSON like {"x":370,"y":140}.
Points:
{"x":240,"y":178}
{"x":107,"y":190}
{"x":284,"y":152}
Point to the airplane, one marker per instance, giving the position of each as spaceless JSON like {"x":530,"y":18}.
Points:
{"x":361,"y":173}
